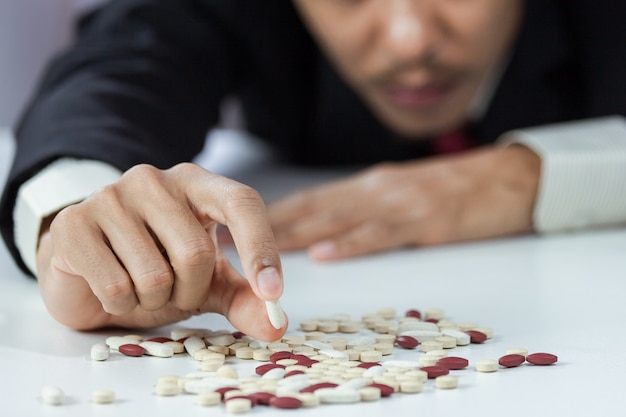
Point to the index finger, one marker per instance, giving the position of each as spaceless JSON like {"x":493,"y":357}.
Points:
{"x":239,"y":207}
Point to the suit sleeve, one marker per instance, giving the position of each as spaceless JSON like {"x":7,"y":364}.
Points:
{"x":142,"y":84}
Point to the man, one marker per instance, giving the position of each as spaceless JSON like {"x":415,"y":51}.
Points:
{"x":423,"y":87}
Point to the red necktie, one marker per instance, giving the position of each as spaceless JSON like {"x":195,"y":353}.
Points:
{"x":453,"y":142}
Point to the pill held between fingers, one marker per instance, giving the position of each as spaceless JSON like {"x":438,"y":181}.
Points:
{"x":100,"y":352}
{"x":103,"y":397}
{"x":51,"y":395}
{"x":275,"y":314}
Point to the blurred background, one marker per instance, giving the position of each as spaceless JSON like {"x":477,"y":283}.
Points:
{"x":31,"y":31}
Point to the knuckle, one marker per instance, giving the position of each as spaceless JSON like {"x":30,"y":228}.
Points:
{"x":154,"y":281}
{"x":242,"y":195}
{"x":199,"y":252}
{"x":115,"y":296}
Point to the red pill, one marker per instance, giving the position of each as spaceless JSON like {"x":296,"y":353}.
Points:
{"x":315,"y":387}
{"x":132,"y":350}
{"x":277,"y":356}
{"x":512,"y":360}
{"x":367,"y":365}
{"x":385,"y":390}
{"x":238,"y":335}
{"x":413,"y":313}
{"x":407,"y":342}
{"x":541,"y":359}
{"x":263,"y":369}
{"x":434,"y":321}
{"x":292,"y":373}
{"x":435,"y":371}
{"x":261,"y":397}
{"x":453,"y":363}
{"x":476,"y":336}
{"x":288,"y":403}
{"x":159,"y":339}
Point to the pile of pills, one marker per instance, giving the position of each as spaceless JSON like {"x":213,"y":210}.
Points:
{"x":331,"y":361}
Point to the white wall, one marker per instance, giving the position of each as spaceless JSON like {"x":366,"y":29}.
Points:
{"x":31,"y":31}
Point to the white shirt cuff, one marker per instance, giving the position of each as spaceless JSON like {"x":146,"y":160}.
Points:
{"x":583,"y":172}
{"x":64,"y":182}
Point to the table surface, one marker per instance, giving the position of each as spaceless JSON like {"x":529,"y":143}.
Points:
{"x":562,"y":294}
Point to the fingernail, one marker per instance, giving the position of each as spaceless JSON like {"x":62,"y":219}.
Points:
{"x":270,"y":284}
{"x":323,"y":250}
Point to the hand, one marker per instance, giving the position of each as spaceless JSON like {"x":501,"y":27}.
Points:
{"x":143,"y":253}
{"x":480,"y":194}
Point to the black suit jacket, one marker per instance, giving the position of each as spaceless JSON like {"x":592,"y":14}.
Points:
{"x":145,"y":80}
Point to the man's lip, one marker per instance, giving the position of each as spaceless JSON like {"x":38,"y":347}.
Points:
{"x":416,"y":97}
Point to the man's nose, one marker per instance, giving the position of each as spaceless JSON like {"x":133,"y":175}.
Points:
{"x":409,"y":32}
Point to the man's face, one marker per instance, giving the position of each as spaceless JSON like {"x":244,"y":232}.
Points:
{"x":418,"y":64}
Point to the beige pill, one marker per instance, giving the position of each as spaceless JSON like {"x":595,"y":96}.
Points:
{"x":176,"y":346}
{"x":384,"y":348}
{"x":434,"y":314}
{"x":224,"y":350}
{"x":103,"y":396}
{"x":319,"y":336}
{"x":385,"y":338}
{"x":349,"y":327}
{"x":233,"y":393}
{"x":419,"y":374}
{"x":240,"y":405}
{"x":467,"y":325}
{"x":211,"y":365}
{"x":328,"y":326}
{"x":429,"y":345}
{"x":387,"y":313}
{"x":227,"y":371}
{"x":446,"y":382}
{"x":223,"y":340}
{"x":438,"y":353}
{"x":308,"y":399}
{"x":443,"y":324}
{"x":448,"y":342}
{"x":167,"y":389}
{"x":286,"y":362}
{"x":275,"y":314}
{"x":207,"y":399}
{"x":232,"y":349}
{"x":369,"y":394}
{"x":428,"y":360}
{"x":517,"y":351}
{"x":371,"y":356}
{"x":244,"y":353}
{"x":487,"y":365}
{"x":411,"y":386}
{"x":309,"y":325}
{"x":261,"y":355}
{"x":168,"y":379}
{"x":137,"y":337}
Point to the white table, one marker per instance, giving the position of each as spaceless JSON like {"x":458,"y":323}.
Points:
{"x":560,"y":294}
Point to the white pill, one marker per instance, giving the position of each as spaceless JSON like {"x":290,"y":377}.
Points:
{"x":361,"y":341}
{"x":51,"y":395}
{"x":418,"y":325}
{"x":157,"y":349}
{"x":103,"y":396}
{"x":114,"y":342}
{"x":338,"y":396}
{"x":356,"y":383}
{"x":275,"y":314}
{"x":422,"y":335}
{"x":100,"y":352}
{"x":335,"y":354}
{"x":221,"y":340}
{"x":402,"y":364}
{"x":462,"y":338}
{"x":193,"y":344}
{"x":374,"y":371}
{"x":318,"y":345}
{"x":227,"y":371}
{"x":274,"y":374}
